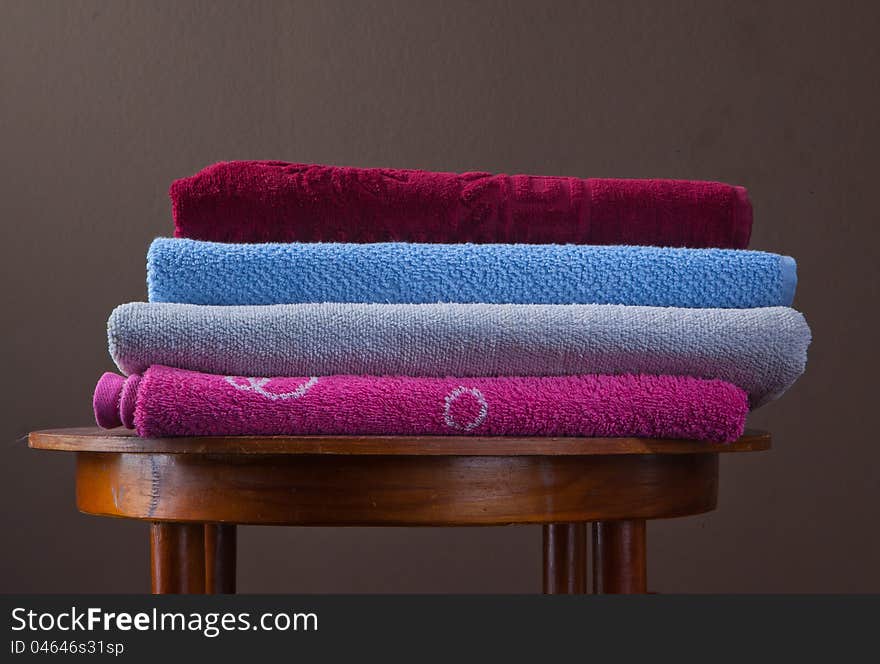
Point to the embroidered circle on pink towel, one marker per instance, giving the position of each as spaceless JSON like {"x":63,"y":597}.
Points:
{"x":469,"y":406}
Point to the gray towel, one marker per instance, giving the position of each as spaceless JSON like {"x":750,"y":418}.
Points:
{"x":761,"y":350}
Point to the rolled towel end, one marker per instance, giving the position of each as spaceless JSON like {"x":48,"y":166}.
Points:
{"x":106,"y":400}
{"x":114,"y":400}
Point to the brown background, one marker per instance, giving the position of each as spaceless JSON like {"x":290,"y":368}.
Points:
{"x":102,"y":104}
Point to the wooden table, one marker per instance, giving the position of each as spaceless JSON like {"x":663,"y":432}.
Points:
{"x":194,"y":491}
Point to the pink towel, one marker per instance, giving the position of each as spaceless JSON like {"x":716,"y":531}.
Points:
{"x":175,"y":402}
{"x":273,"y":201}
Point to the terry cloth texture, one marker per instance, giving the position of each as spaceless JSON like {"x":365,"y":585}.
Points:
{"x":763,"y":351}
{"x":195,"y":272}
{"x":273,"y":201}
{"x":174,"y":402}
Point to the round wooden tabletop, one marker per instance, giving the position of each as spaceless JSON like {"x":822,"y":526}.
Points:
{"x":391,"y":480}
{"x":93,"y":439}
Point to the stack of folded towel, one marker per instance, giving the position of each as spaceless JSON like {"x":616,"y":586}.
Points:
{"x":300,"y":299}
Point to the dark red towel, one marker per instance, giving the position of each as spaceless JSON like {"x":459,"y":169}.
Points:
{"x":273,"y":201}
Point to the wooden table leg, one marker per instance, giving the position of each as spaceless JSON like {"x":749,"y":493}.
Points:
{"x":220,"y":552}
{"x":177,"y":558}
{"x":565,"y":558}
{"x":619,"y":557}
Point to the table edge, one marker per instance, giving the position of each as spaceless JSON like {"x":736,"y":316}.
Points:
{"x":88,"y":439}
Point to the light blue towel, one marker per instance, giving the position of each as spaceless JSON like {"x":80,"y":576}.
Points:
{"x":195,"y":272}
